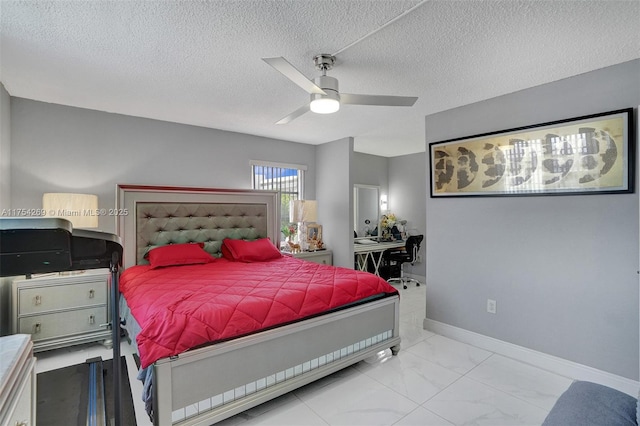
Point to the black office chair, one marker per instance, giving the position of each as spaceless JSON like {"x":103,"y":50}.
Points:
{"x":410,"y":255}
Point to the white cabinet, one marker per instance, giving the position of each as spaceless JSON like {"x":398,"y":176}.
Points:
{"x":17,"y":381}
{"x":321,"y":256}
{"x":63,"y":310}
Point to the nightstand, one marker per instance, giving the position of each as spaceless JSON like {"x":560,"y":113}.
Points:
{"x":63,"y":310}
{"x":321,"y":256}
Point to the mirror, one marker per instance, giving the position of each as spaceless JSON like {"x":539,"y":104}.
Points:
{"x":366,"y":206}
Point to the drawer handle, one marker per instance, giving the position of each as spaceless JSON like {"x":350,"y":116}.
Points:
{"x":37,"y":327}
{"x":92,"y":319}
{"x":37,"y":300}
{"x":92,"y":293}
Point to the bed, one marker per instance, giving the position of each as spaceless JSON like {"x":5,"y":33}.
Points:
{"x":212,"y":381}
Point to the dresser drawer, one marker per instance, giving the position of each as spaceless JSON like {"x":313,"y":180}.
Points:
{"x":61,"y":324}
{"x":55,"y":297}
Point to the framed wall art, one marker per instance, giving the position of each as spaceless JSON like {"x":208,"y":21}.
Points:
{"x":584,"y":155}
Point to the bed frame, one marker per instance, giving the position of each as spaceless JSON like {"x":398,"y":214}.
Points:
{"x":208,"y":384}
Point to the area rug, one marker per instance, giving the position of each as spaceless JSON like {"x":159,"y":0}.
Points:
{"x":63,"y":395}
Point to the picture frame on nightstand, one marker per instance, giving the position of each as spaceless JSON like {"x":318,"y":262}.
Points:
{"x":314,"y":232}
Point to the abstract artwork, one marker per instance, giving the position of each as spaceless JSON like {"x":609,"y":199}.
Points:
{"x":583,"y":155}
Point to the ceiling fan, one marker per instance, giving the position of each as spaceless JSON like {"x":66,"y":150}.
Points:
{"x":325,"y":97}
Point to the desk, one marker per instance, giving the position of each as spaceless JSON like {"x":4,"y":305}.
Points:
{"x":364,"y":252}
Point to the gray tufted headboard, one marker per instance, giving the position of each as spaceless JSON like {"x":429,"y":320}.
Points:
{"x":151,"y":216}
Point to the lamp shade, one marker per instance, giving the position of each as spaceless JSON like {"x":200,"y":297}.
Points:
{"x":79,"y":209}
{"x":303,"y":210}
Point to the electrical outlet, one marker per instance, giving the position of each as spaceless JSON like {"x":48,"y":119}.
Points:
{"x":491,"y":306}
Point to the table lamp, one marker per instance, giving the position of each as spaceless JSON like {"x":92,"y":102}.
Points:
{"x":79,"y":209}
{"x":303,"y":212}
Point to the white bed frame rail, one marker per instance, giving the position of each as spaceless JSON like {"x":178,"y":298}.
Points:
{"x":216,"y":382}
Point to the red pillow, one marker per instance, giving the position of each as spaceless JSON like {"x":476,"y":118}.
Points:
{"x":178,"y":254}
{"x":250,"y":251}
{"x":225,"y":252}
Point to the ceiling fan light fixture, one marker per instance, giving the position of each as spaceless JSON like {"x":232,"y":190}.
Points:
{"x":329,"y":101}
{"x":324,"y":105}
{"x":325,"y":96}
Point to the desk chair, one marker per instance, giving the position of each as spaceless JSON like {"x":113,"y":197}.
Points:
{"x":410,"y":255}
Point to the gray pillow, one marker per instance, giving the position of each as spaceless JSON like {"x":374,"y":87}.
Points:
{"x":591,"y":404}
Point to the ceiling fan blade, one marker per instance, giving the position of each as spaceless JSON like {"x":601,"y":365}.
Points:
{"x":295,"y":114}
{"x":292,"y":73}
{"x":380,"y":100}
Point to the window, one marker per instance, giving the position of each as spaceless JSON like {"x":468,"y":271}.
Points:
{"x":286,"y":178}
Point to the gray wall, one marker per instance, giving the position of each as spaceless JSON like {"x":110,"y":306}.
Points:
{"x":563,"y":269}
{"x":335,"y":201}
{"x":5,"y":148}
{"x":370,"y":169}
{"x":407,"y":189}
{"x":58,"y":148}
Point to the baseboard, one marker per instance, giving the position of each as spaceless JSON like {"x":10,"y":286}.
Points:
{"x":547,"y":362}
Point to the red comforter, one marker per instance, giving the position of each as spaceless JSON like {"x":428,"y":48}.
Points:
{"x":181,"y":307}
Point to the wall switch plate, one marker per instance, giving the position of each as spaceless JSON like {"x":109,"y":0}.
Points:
{"x":491,"y":306}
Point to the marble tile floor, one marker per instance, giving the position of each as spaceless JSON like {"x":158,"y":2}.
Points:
{"x":433,"y":381}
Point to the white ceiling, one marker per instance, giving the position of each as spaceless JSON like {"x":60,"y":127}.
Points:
{"x":200,"y":62}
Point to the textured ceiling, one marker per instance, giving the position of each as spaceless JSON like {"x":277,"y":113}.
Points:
{"x":200,"y":62}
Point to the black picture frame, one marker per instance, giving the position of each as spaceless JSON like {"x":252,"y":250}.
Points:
{"x":591,"y":154}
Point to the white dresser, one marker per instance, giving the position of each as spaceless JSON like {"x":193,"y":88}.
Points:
{"x":17,"y":381}
{"x":63,"y":310}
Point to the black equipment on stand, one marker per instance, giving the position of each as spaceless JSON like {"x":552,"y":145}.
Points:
{"x":30,"y":245}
